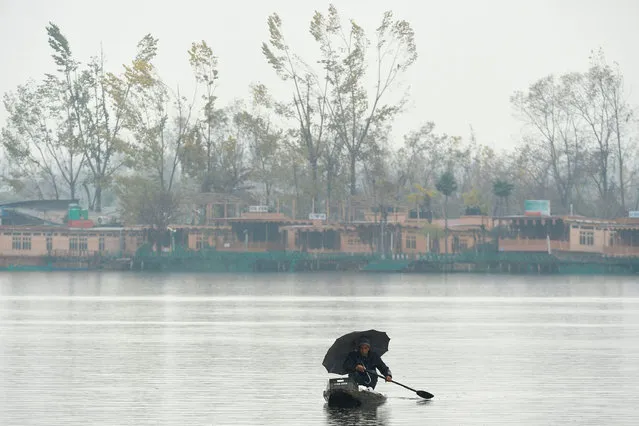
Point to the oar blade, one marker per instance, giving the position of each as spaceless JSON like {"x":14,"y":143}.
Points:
{"x":424,"y":394}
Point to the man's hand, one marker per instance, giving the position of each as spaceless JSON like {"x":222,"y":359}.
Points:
{"x":360,"y":368}
{"x":389,"y":378}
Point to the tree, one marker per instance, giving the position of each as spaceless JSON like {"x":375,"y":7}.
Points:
{"x":622,"y":117}
{"x":582,"y":125}
{"x":41,"y":139}
{"x":202,"y":145}
{"x":530,"y":170}
{"x":344,"y":56}
{"x":597,"y":96}
{"x":309,"y":105}
{"x":143,"y":201}
{"x":97,"y":102}
{"x":426,"y":155}
{"x":339,"y":100}
{"x":234,"y":159}
{"x":264,"y":139}
{"x":332,"y":166}
{"x":160,"y":123}
{"x":556,"y":127}
{"x":478,"y":165}
{"x":447,"y":185}
{"x":421,"y":198}
{"x":384,"y":189}
{"x":473,"y":202}
{"x":502,"y":190}
{"x":159,"y":119}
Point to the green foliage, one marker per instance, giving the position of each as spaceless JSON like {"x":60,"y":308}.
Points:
{"x":475,"y":202}
{"x":203,"y":62}
{"x":216,"y":154}
{"x":502,"y":188}
{"x":141,"y":72}
{"x":447,"y":184}
{"x":434,"y":231}
{"x":144,"y":201}
{"x":420,"y":195}
{"x":62,"y":51}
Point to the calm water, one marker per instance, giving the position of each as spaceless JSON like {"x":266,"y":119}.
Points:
{"x":181,"y":349}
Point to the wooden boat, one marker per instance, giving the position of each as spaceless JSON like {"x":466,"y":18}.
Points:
{"x":345,"y":393}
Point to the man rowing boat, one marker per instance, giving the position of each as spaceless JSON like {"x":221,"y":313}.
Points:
{"x":362,"y":359}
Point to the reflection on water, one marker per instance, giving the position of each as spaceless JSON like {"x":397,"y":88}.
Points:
{"x":364,"y":416}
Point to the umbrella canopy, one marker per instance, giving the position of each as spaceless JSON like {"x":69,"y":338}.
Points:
{"x":337,"y":353}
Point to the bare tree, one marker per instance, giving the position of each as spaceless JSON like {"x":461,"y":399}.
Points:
{"x":545,"y":109}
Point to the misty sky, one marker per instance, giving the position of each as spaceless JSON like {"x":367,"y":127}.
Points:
{"x":472,"y":54}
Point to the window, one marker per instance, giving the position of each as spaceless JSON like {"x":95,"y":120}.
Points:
{"x":49,"y":243}
{"x":411,"y":242}
{"x":101,"y":243}
{"x":353,"y":242}
{"x":83,"y":244}
{"x":21,"y":242}
{"x":586,"y":238}
{"x":198,"y":241}
{"x":73,"y":243}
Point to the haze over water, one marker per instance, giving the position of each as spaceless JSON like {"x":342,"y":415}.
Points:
{"x":221,"y":349}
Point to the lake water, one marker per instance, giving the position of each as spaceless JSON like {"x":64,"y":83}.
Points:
{"x":198,"y":349}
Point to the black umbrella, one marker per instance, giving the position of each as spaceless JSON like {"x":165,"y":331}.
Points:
{"x":337,"y":353}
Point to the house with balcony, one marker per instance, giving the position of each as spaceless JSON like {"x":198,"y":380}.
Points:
{"x":255,"y":229}
{"x":623,"y":238}
{"x":524,"y":233}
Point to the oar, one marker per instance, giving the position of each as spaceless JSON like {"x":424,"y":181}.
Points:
{"x":423,"y":394}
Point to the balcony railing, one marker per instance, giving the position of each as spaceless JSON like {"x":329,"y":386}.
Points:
{"x":532,"y":245}
{"x":83,"y":254}
{"x":621,"y":251}
{"x":252,"y":246}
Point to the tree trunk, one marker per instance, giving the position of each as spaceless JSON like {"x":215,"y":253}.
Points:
{"x":446,"y":224}
{"x":97,"y":201}
{"x":622,"y":188}
{"x":353,"y":181}
{"x":315,"y":188}
{"x":86,"y":189}
{"x":268,"y":193}
{"x":329,"y":179}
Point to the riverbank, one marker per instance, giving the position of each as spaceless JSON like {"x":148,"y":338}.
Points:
{"x":211,"y":260}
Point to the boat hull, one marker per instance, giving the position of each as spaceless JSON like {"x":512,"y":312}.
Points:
{"x":347,"y":394}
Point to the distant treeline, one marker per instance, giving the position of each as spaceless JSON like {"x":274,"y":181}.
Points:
{"x":127,"y":138}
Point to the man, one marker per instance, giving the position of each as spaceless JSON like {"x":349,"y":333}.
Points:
{"x":358,"y":361}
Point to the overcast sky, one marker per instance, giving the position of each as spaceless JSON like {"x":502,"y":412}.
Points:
{"x":472,"y":54}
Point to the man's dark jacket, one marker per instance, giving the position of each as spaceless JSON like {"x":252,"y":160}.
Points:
{"x":372,"y":361}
